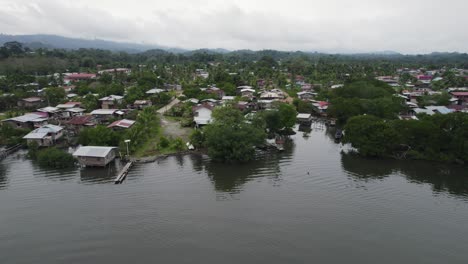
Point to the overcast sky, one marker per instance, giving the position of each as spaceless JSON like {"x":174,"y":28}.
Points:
{"x":408,"y":26}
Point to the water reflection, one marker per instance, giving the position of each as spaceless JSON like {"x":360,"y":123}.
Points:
{"x":442,"y":177}
{"x":3,"y":176}
{"x":97,"y":175}
{"x":230,"y":178}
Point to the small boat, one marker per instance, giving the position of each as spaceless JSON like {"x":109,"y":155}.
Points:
{"x":338,"y":134}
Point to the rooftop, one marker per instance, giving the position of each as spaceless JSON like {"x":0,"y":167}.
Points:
{"x":93,"y":151}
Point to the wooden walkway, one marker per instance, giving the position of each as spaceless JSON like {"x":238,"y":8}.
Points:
{"x":4,"y":153}
{"x":123,"y":173}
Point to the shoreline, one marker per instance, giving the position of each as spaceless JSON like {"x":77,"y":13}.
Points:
{"x":153,"y":158}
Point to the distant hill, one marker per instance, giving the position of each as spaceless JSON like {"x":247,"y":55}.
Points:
{"x":54,"y":41}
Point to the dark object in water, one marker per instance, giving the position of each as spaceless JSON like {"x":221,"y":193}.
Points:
{"x":338,"y":134}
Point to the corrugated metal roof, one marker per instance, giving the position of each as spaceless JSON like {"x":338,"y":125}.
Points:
{"x":93,"y":151}
{"x":43,"y":131}
{"x":25,"y":118}
{"x":103,"y":111}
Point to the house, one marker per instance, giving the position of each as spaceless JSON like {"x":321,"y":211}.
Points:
{"x":172,"y":87}
{"x":74,"y":77}
{"x":69,"y":105}
{"x":216,"y":91}
{"x":304,"y":118}
{"x":78,"y":123}
{"x":269,"y":96}
{"x":111,"y":101}
{"x":192,"y":101}
{"x":121,"y":124}
{"x":461,"y":96}
{"x":306,"y":95}
{"x":155,"y":91}
{"x":306,"y":87}
{"x":103,"y":115}
{"x":28,"y":121}
{"x":336,"y":86}
{"x":95,"y":156}
{"x":239,"y":88}
{"x":50,"y":111}
{"x":72,"y":112}
{"x":202,"y":73}
{"x":45,"y":136}
{"x":30,"y":102}
{"x":115,"y":71}
{"x":321,"y":107}
{"x":227,"y":99}
{"x":432,"y":110}
{"x":424,"y":77}
{"x":202,"y":114}
{"x":140,"y":104}
{"x":247,"y":93}
{"x":241,"y":105}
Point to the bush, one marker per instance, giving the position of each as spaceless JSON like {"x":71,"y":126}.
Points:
{"x":178,"y":144}
{"x":164,"y":142}
{"x":55,"y":158}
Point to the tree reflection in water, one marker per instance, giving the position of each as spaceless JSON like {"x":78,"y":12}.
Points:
{"x":442,"y":177}
{"x":231,"y":178}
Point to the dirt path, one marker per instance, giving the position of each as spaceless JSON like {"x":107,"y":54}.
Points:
{"x":172,"y":128}
{"x":168,"y":106}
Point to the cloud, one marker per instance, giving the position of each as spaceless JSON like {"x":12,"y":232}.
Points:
{"x":356,"y":26}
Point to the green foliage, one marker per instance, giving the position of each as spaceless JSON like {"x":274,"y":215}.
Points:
{"x":54,"y":95}
{"x":282,"y":118}
{"x":99,"y":136}
{"x":370,"y":135}
{"x":197,"y":139}
{"x":364,"y":97}
{"x":12,"y":136}
{"x":55,"y":158}
{"x":178,"y":144}
{"x":145,"y":127}
{"x":437,"y":137}
{"x":287,"y":115}
{"x":230,"y":138}
{"x":164,"y":142}
{"x":303,"y":106}
{"x":90,"y":102}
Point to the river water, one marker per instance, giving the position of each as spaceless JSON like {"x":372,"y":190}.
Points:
{"x":309,"y":204}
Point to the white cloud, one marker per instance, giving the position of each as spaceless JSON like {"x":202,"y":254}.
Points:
{"x":410,"y":26}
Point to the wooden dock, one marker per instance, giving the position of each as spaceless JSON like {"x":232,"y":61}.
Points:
{"x":123,"y":173}
{"x":4,"y":153}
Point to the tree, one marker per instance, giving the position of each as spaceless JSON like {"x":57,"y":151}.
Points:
{"x":99,"y":136}
{"x":230,"y":138}
{"x":55,"y":95}
{"x":287,"y":115}
{"x":90,"y":102}
{"x":370,"y":135}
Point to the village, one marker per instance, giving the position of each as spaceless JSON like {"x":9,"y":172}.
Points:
{"x":101,"y":113}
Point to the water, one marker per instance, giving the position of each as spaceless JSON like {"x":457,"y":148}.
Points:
{"x":308,"y":204}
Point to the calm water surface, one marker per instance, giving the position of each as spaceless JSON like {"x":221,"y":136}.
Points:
{"x":308,"y":204}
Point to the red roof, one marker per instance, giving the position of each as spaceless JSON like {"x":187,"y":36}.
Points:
{"x":322,"y":103}
{"x":125,"y":123}
{"x":80,"y":120}
{"x":197,"y":107}
{"x":81,"y":76}
{"x":460,"y":93}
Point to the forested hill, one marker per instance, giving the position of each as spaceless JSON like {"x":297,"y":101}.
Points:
{"x":16,"y":57}
{"x":59,"y":42}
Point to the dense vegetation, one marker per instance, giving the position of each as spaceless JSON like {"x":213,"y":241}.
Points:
{"x":51,"y":157}
{"x":230,"y":138}
{"x":437,"y":137}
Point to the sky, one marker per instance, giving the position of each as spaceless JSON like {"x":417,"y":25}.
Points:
{"x":406,"y":26}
